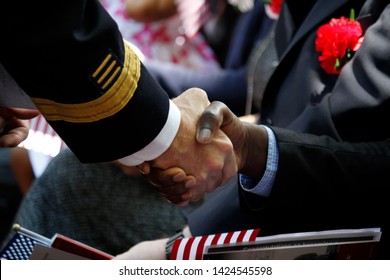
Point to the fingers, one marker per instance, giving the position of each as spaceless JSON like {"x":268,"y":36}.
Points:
{"x":13,"y":136}
{"x":209,"y":122}
{"x":193,"y":99}
{"x":216,"y":116}
{"x":167,"y":177}
{"x":177,"y":194}
{"x":172,"y":183}
{"x":14,"y":125}
{"x":24,"y":114}
{"x":144,"y":168}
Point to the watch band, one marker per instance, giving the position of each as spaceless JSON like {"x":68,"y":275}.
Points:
{"x":171,"y":240}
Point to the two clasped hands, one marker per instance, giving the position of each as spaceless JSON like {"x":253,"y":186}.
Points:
{"x":211,"y":146}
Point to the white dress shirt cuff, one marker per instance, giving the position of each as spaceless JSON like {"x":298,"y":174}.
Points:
{"x":162,"y":141}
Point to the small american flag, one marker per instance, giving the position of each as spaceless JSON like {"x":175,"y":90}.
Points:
{"x":22,"y":245}
{"x":193,"y":248}
{"x":19,"y":247}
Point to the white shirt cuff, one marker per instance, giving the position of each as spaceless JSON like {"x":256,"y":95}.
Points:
{"x":161,"y":143}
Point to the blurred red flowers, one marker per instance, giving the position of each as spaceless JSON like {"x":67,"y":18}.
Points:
{"x":338,"y":41}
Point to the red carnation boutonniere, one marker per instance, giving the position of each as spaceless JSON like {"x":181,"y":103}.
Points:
{"x":273,"y":8}
{"x":338,"y":41}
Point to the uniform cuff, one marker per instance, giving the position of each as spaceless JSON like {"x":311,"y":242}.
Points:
{"x":161,"y":143}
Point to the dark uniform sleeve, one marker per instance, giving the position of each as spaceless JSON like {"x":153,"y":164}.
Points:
{"x":70,"y":58}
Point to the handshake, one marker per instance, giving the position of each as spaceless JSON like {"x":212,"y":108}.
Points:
{"x":211,"y":146}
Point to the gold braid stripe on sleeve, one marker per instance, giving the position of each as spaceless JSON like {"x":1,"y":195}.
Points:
{"x":112,"y":101}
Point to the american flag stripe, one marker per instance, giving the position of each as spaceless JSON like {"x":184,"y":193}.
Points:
{"x":178,"y":248}
{"x":235,"y":237}
{"x":228,"y":237}
{"x":199,"y":250}
{"x":193,"y":248}
{"x":194,"y":251}
{"x":222,"y":238}
{"x":253,"y":235}
{"x":187,"y":248}
{"x":215,"y":239}
{"x":175,"y":249}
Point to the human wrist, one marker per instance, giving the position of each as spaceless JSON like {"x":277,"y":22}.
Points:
{"x":255,"y":151}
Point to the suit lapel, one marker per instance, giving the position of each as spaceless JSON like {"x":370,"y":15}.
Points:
{"x":321,"y":10}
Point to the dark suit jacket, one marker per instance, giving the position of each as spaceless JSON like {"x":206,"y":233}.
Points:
{"x":332,"y":134}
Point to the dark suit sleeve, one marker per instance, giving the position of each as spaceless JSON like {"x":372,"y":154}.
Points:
{"x":70,"y":58}
{"x":340,"y":181}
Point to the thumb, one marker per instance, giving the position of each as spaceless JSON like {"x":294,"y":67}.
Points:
{"x":216,"y":116}
{"x":24,"y":114}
